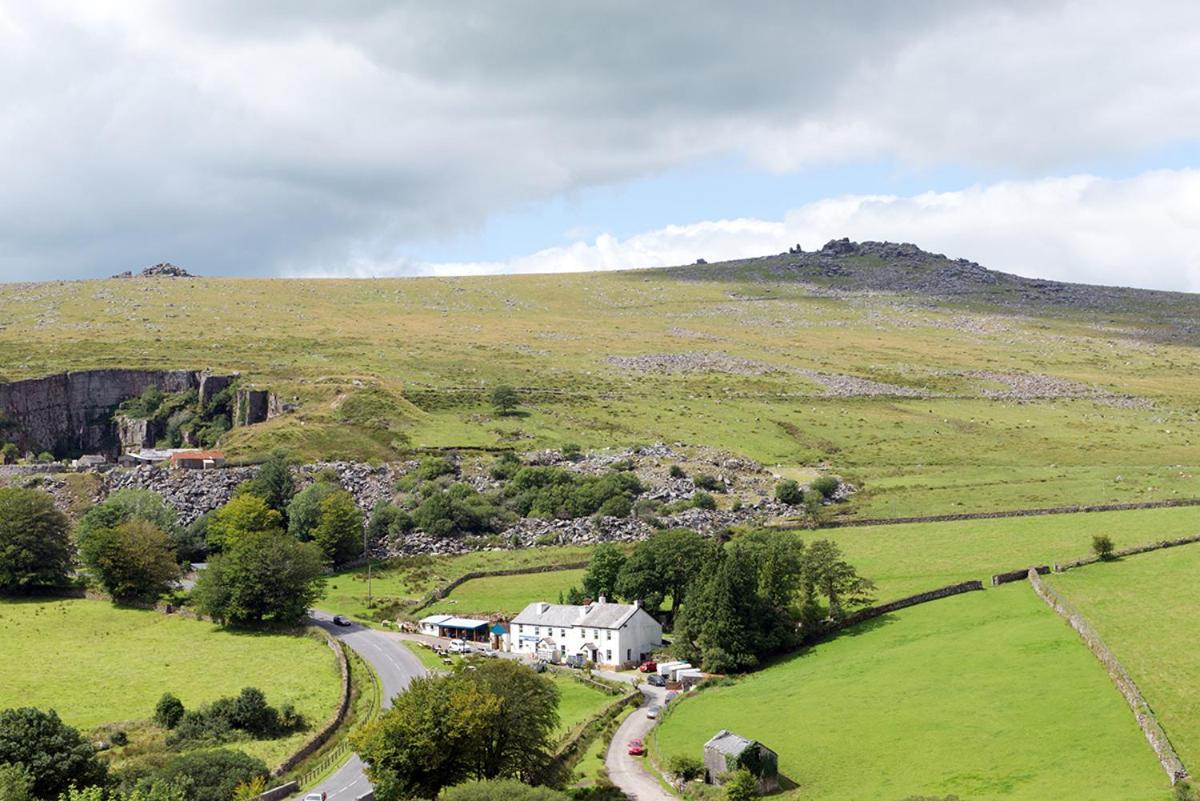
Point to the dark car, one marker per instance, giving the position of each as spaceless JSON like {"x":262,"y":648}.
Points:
{"x":655,"y":680}
{"x":338,"y":620}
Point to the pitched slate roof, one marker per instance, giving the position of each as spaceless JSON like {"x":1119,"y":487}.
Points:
{"x":592,"y":616}
{"x":727,"y":742}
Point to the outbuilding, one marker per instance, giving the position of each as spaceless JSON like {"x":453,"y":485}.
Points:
{"x":726,"y":752}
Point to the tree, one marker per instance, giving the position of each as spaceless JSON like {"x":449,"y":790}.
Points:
{"x":740,"y":785}
{"x":388,"y":521}
{"x":261,"y":575}
{"x":15,"y":783}
{"x":132,"y":561}
{"x":243,"y":515}
{"x":54,"y":755}
{"x":339,"y":531}
{"x":1102,"y":546}
{"x":274,"y":482}
{"x":128,"y":504}
{"x":505,"y":400}
{"x":827,"y":486}
{"x":35,"y":545}
{"x":603,"y":571}
{"x":500,"y":790}
{"x":211,"y":774}
{"x":664,"y":565}
{"x":788,"y":491}
{"x":685,"y":766}
{"x":827,"y":574}
{"x":9,"y":453}
{"x":520,"y":737}
{"x":779,"y":561}
{"x":304,"y":512}
{"x":168,"y":711}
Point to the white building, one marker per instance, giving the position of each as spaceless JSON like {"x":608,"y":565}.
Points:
{"x":617,"y":635}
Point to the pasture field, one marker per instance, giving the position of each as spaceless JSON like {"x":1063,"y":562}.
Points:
{"x":506,"y":594}
{"x":406,"y":581}
{"x":989,"y":696}
{"x":736,"y":356}
{"x":97,"y":664}
{"x":577,"y":702}
{"x":910,"y":558}
{"x":1146,"y":609}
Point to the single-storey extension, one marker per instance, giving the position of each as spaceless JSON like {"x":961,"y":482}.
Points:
{"x":455,"y":628}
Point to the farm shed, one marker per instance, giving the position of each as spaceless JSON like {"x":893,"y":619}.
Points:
{"x":727,"y":752}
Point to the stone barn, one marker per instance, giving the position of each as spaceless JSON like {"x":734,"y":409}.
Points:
{"x":727,"y":752}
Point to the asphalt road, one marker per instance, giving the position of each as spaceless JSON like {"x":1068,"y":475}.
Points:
{"x":630,"y":773}
{"x":396,"y":667}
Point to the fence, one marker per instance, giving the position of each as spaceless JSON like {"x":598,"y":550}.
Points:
{"x":1146,"y":720}
{"x":342,"y":750}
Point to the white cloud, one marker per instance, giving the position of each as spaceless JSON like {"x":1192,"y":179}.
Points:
{"x":1134,"y":232}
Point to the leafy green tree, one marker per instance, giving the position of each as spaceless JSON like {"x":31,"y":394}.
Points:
{"x":54,"y":755}
{"x":243,"y":515}
{"x":35,"y":544}
{"x":505,"y":400}
{"x":500,"y":790}
{"x":779,"y":560}
{"x":828,"y":574}
{"x":741,"y":785}
{"x":15,"y":783}
{"x":261,"y":575}
{"x":339,"y":530}
{"x":168,"y":711}
{"x":304,"y":512}
{"x":274,"y":483}
{"x":124,"y":505}
{"x":603,"y":571}
{"x":521,"y":735}
{"x":388,"y":521}
{"x":726,"y":624}
{"x":789,"y":492}
{"x":9,"y":453}
{"x":685,"y":766}
{"x":211,"y":774}
{"x":1102,"y":546}
{"x":827,"y":486}
{"x":664,"y":565}
{"x":133,"y":560}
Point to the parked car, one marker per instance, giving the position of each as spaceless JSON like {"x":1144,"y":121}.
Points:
{"x":636,"y":748}
{"x":653,"y":711}
{"x":671,"y":696}
{"x":655,"y":680}
{"x":338,"y":620}
{"x":315,"y":797}
{"x":649,"y":666}
{"x":457,"y":647}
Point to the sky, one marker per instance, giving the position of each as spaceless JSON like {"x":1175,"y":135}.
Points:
{"x":364,"y":138}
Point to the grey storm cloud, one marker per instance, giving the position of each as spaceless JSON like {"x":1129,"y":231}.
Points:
{"x":277,"y":137}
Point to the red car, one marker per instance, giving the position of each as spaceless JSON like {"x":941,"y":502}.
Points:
{"x":635,"y":748}
{"x":648,"y":666}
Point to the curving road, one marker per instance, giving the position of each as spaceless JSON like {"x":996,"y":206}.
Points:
{"x":631,"y":773}
{"x":396,"y":666}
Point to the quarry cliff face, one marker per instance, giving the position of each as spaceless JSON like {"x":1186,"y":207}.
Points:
{"x":72,"y":413}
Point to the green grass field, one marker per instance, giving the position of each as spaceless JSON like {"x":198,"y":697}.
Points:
{"x":577,"y":702}
{"x":910,"y":558}
{"x":1146,"y":609}
{"x":988,"y":696}
{"x":96,"y":664}
{"x":381,"y":366}
{"x":506,"y":594}
{"x":406,"y":581}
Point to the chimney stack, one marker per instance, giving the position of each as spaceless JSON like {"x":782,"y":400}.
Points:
{"x":601,"y":600}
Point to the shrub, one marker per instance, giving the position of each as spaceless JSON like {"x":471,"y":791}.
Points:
{"x":708,"y":482}
{"x":702,"y":500}
{"x":572,"y":451}
{"x":826,"y":485}
{"x":1102,"y":546}
{"x":505,"y":467}
{"x":248,"y":712}
{"x":740,"y":785}
{"x":9,"y":453}
{"x":168,"y":711}
{"x":35,"y":547}
{"x":53,"y":754}
{"x":685,"y":766}
{"x":552,"y":492}
{"x":15,"y":783}
{"x":432,"y":467}
{"x":494,"y":789}
{"x":788,"y":491}
{"x":677,"y":472}
{"x":45,"y":457}
{"x":134,"y":560}
{"x":212,"y":774}
{"x":304,"y":511}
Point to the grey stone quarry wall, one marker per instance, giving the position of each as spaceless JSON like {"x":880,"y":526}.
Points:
{"x":1142,"y":712}
{"x":872,"y":612}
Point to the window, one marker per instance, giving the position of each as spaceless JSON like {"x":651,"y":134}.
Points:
{"x":538,"y":631}
{"x":564,"y":650}
{"x":608,"y":634}
{"x":608,"y":656}
{"x":562,"y":632}
{"x":520,"y":629}
{"x":628,"y":654}
{"x":596,"y":633}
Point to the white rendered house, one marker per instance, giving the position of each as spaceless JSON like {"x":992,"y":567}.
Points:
{"x":616,"y":635}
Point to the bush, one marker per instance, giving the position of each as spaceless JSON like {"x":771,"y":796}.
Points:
{"x":686,"y":767}
{"x":677,"y":472}
{"x":45,"y":457}
{"x":826,"y":485}
{"x":134,"y":560}
{"x":506,"y":466}
{"x":552,"y":492}
{"x":740,"y":785}
{"x":15,"y":783}
{"x":706,"y":482}
{"x":168,"y":711}
{"x":35,"y":547}
{"x":249,"y":713}
{"x":1102,"y":546}
{"x":572,"y":451}
{"x":53,"y":754}
{"x":304,"y":511}
{"x":9,"y":453}
{"x":432,"y":467}
{"x":214,"y":774}
{"x":497,"y":789}
{"x":455,"y":511}
{"x":788,"y":491}
{"x":702,"y":500}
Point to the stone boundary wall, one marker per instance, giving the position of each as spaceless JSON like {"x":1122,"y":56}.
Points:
{"x":1149,"y":725}
{"x":321,"y":737}
{"x":1053,"y":510}
{"x":577,"y":742}
{"x":1018,"y":575}
{"x":277,"y":793}
{"x":438,"y":593}
{"x":1131,"y":551}
{"x":902,"y":603}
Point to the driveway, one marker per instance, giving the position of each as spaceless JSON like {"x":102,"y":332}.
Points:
{"x":396,"y":666}
{"x":632,"y":774}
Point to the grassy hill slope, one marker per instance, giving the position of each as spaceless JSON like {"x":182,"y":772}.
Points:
{"x":935,"y":384}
